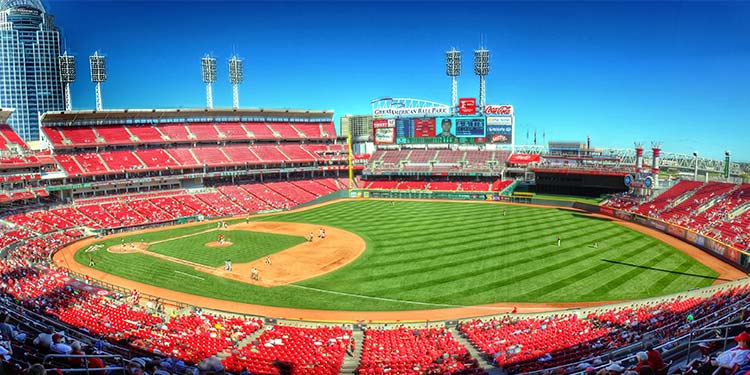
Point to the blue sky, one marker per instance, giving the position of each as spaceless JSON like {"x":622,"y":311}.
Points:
{"x":621,"y":72}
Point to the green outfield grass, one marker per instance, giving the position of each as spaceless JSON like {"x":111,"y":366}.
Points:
{"x":423,"y":255}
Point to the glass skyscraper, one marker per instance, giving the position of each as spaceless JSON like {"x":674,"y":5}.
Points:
{"x":29,"y":67}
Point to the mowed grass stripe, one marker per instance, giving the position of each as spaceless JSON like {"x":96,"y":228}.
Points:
{"x":447,"y":253}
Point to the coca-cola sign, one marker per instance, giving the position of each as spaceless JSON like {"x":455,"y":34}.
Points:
{"x":498,"y":110}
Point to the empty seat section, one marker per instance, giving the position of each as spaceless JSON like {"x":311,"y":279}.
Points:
{"x":151,"y":212}
{"x":269,"y":196}
{"x":114,"y":135}
{"x":313,"y":187}
{"x":475,"y":186}
{"x":123,"y":213}
{"x":8,"y":137}
{"x":76,"y":218}
{"x":241,"y":197}
{"x":309,"y":351}
{"x":51,"y":219}
{"x":499,"y":185}
{"x":269,"y":153}
{"x":183,"y":156}
{"x":175,"y":132}
{"x":53,"y":135}
{"x":387,"y":185}
{"x":146,"y":133}
{"x":412,"y":185}
{"x":291,"y":191}
{"x":329,"y":183}
{"x":121,"y":160}
{"x":220,"y":203}
{"x":285,"y":130}
{"x":415,"y":351}
{"x":173,"y":206}
{"x":210,"y":155}
{"x":232,"y":130}
{"x":241,"y":154}
{"x":296,"y":153}
{"x":443,"y":185}
{"x":69,"y":165}
{"x":196,"y":204}
{"x":100,"y":215}
{"x":156,"y":158}
{"x":260,"y":130}
{"x":91,"y":163}
{"x":203,"y":131}
{"x":79,"y":135}
{"x":329,"y":129}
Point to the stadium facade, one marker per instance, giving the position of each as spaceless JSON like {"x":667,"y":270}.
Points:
{"x":29,"y":66}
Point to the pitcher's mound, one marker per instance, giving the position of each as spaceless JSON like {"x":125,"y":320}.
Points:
{"x":217,"y":244}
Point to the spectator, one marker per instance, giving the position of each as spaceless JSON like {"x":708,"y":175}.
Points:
{"x":44,"y":339}
{"x":35,"y":369}
{"x":59,"y":346}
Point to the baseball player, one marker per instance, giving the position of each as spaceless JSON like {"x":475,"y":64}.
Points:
{"x":558,"y":240}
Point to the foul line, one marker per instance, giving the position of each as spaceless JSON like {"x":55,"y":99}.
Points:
{"x":187,"y":274}
{"x":395,"y":300}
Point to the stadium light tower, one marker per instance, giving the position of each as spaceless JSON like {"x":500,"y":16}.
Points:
{"x":67,"y":76}
{"x":235,"y":78}
{"x":453,"y":70}
{"x":98,"y":75}
{"x":482,"y":69}
{"x":208,"y":66}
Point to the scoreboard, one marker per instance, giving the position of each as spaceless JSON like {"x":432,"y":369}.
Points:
{"x":424,"y":127}
{"x":469,"y":127}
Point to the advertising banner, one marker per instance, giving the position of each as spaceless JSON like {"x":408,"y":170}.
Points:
{"x":525,"y":159}
{"x":500,"y":134}
{"x":607,"y":211}
{"x":623,"y":215}
{"x":498,"y":110}
{"x":641,"y":220}
{"x":676,"y":231}
{"x":505,"y":120}
{"x":657,"y":225}
{"x":467,"y":106}
{"x":381,"y":123}
{"x":716,"y":247}
{"x":384,"y":135}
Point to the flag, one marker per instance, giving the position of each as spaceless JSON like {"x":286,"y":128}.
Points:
{"x":534,"y":136}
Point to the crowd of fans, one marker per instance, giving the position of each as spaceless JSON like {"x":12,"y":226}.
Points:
{"x":714,"y":209}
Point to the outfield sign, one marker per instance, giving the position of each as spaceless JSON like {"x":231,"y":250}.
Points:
{"x":412,"y":112}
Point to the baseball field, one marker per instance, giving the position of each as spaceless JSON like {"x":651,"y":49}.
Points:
{"x":414,"y":256}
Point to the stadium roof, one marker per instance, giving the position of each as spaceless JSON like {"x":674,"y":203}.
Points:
{"x":10,"y":4}
{"x":156,"y":114}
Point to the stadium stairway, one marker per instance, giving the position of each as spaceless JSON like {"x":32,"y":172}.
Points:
{"x":349,"y":366}
{"x":243,"y":343}
{"x":483,"y":361}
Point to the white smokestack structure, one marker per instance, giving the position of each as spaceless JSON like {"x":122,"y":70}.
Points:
{"x":656,"y":150}
{"x":638,"y":156}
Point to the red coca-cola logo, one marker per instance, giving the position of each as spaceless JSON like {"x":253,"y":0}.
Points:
{"x":498,"y":109}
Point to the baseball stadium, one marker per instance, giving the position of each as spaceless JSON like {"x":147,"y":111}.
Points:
{"x":421,"y":238}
